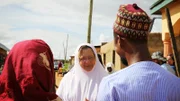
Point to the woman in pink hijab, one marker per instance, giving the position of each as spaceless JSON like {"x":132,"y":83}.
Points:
{"x":28,"y":73}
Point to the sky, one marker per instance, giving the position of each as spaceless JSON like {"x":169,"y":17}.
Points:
{"x":54,"y":20}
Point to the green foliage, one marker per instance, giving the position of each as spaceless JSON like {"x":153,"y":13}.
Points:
{"x":65,"y":67}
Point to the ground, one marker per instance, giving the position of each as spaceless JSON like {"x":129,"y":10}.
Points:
{"x":58,"y":79}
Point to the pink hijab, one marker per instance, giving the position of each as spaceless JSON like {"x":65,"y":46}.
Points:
{"x":28,"y":73}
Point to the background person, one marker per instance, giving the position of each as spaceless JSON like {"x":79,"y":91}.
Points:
{"x":166,"y":66}
{"x":109,"y":68}
{"x":158,"y":58}
{"x":170,"y":61}
{"x":60,"y":68}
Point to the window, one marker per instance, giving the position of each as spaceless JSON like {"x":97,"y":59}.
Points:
{"x":113,"y":57}
{"x":104,"y":58}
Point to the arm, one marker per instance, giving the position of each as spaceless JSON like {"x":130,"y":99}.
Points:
{"x":60,"y":89}
{"x":57,"y":99}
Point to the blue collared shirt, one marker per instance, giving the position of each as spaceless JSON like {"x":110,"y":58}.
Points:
{"x":142,"y":81}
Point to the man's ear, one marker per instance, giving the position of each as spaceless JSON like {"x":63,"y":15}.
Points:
{"x":118,"y":41}
{"x":122,"y":41}
{"x":126,"y":45}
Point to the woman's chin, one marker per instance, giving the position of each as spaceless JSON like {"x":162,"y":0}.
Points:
{"x":88,"y":69}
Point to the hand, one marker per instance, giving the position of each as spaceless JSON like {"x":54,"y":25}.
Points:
{"x":86,"y":100}
{"x":57,"y":99}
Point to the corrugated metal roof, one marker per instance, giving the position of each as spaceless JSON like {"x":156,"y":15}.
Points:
{"x":4,"y":47}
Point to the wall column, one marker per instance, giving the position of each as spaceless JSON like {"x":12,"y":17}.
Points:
{"x":167,"y":47}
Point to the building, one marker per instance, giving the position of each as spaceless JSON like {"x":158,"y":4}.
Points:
{"x":109,"y":55}
{"x":3,"y":53}
{"x":158,"y":8}
{"x":98,"y":49}
{"x":71,"y":60}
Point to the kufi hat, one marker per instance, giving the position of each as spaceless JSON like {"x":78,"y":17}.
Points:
{"x":132,"y":22}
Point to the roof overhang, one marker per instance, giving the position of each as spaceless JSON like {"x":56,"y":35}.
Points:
{"x":4,"y":47}
{"x":157,"y":6}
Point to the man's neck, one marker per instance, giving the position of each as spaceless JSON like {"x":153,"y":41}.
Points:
{"x":140,"y":54}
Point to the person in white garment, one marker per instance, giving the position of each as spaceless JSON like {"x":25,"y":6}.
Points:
{"x":109,"y":68}
{"x":81,"y":83}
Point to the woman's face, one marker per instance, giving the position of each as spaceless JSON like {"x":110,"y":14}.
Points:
{"x":170,"y":60}
{"x":87,"y":59}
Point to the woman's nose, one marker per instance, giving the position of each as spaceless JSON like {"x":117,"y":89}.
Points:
{"x":87,"y":60}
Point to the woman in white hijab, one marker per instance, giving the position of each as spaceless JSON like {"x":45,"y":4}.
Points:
{"x":81,"y":83}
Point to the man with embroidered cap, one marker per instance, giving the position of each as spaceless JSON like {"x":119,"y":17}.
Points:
{"x":142,"y":79}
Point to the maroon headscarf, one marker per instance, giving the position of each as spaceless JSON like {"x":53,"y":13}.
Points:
{"x":28,"y":73}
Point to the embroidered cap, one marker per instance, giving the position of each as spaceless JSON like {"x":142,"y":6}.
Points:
{"x":132,"y":22}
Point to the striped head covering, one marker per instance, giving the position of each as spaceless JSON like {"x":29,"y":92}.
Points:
{"x":132,"y":22}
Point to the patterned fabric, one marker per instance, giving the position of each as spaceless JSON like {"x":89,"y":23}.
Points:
{"x":142,"y":81}
{"x":132,"y":22}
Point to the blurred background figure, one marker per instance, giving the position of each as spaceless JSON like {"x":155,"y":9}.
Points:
{"x":166,"y":66}
{"x":60,"y":67}
{"x":170,"y":61}
{"x":109,"y":68}
{"x":156,"y":57}
{"x":159,"y":59}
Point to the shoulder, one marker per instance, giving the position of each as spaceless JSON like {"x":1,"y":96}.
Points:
{"x":68,"y":76}
{"x":111,"y":81}
{"x":64,"y":84}
{"x":107,"y":88}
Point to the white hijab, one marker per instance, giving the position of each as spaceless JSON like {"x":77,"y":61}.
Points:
{"x":78,"y":84}
{"x":109,"y":64}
